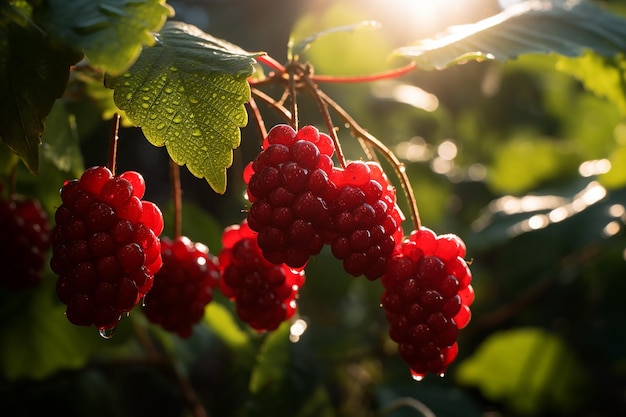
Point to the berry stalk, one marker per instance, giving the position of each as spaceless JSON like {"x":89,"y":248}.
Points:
{"x":176,"y":197}
{"x":113,"y":138}
{"x":387,"y":153}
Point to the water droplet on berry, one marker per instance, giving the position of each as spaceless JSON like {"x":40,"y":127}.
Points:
{"x":107,"y":333}
{"x":417,"y":377}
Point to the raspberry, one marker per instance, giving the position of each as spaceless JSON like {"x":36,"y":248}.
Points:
{"x":366,"y":223}
{"x":25,"y":238}
{"x":105,"y":246}
{"x":183,"y":286}
{"x":427,"y":294}
{"x":264,"y":292}
{"x":285,"y":185}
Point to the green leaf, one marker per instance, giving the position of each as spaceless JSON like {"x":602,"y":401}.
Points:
{"x":33,"y":74}
{"x":616,"y":176}
{"x":60,"y":141}
{"x":559,"y":26}
{"x":605,"y":76}
{"x":224,"y":325}
{"x":188,"y":93}
{"x":37,"y":338}
{"x":110,"y":32}
{"x":528,"y":369}
{"x":273,"y":361}
{"x":523,"y":163}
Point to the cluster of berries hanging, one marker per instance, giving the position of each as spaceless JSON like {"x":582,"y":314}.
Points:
{"x":105,"y":246}
{"x":109,"y":257}
{"x":25,"y":237}
{"x":300,"y":201}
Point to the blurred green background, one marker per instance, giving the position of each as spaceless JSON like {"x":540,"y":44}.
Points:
{"x":524,"y":160}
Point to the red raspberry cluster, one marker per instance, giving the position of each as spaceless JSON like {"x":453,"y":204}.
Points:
{"x":300,"y":202}
{"x":183,"y":286}
{"x":286,"y":186}
{"x":25,"y":238}
{"x":105,"y":247}
{"x":427,"y":294}
{"x":264,"y":292}
{"x":366,"y":221}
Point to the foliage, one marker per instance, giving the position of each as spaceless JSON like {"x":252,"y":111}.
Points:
{"x":523,"y":154}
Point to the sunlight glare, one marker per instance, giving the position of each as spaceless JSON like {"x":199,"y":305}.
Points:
{"x":425,"y":16}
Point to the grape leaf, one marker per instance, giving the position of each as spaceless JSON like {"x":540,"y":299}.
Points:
{"x":33,"y":74}
{"x":188,"y":92}
{"x":110,"y":32}
{"x":564,"y":27}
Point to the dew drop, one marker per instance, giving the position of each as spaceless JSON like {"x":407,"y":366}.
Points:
{"x":145,"y":105}
{"x":145,"y":89}
{"x":177,"y":119}
{"x":168,"y":90}
{"x":196,"y":133}
{"x":127,"y":75}
{"x":173,"y":69}
{"x":107,"y":333}
{"x":160,"y":126}
{"x":129,"y":96}
{"x":416,"y":375}
{"x":193,"y":100}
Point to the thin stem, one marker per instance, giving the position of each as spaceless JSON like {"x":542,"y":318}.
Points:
{"x":256,"y":113}
{"x":177,"y":198}
{"x":294,"y":101}
{"x":286,"y":114}
{"x":271,"y":62}
{"x":315,"y":91}
{"x":390,"y":156}
{"x":113,"y":138}
{"x":384,"y":75}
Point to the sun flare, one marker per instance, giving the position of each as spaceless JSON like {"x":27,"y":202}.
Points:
{"x":416,"y":18}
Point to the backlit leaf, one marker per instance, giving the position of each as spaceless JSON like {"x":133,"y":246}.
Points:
{"x":110,"y":32}
{"x":528,"y":369}
{"x":33,"y":74}
{"x":188,"y":93}
{"x":559,"y":26}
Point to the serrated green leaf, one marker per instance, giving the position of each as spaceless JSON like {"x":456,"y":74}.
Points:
{"x":110,"y":32}
{"x":33,"y":74}
{"x":560,"y":26}
{"x":188,"y":93}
